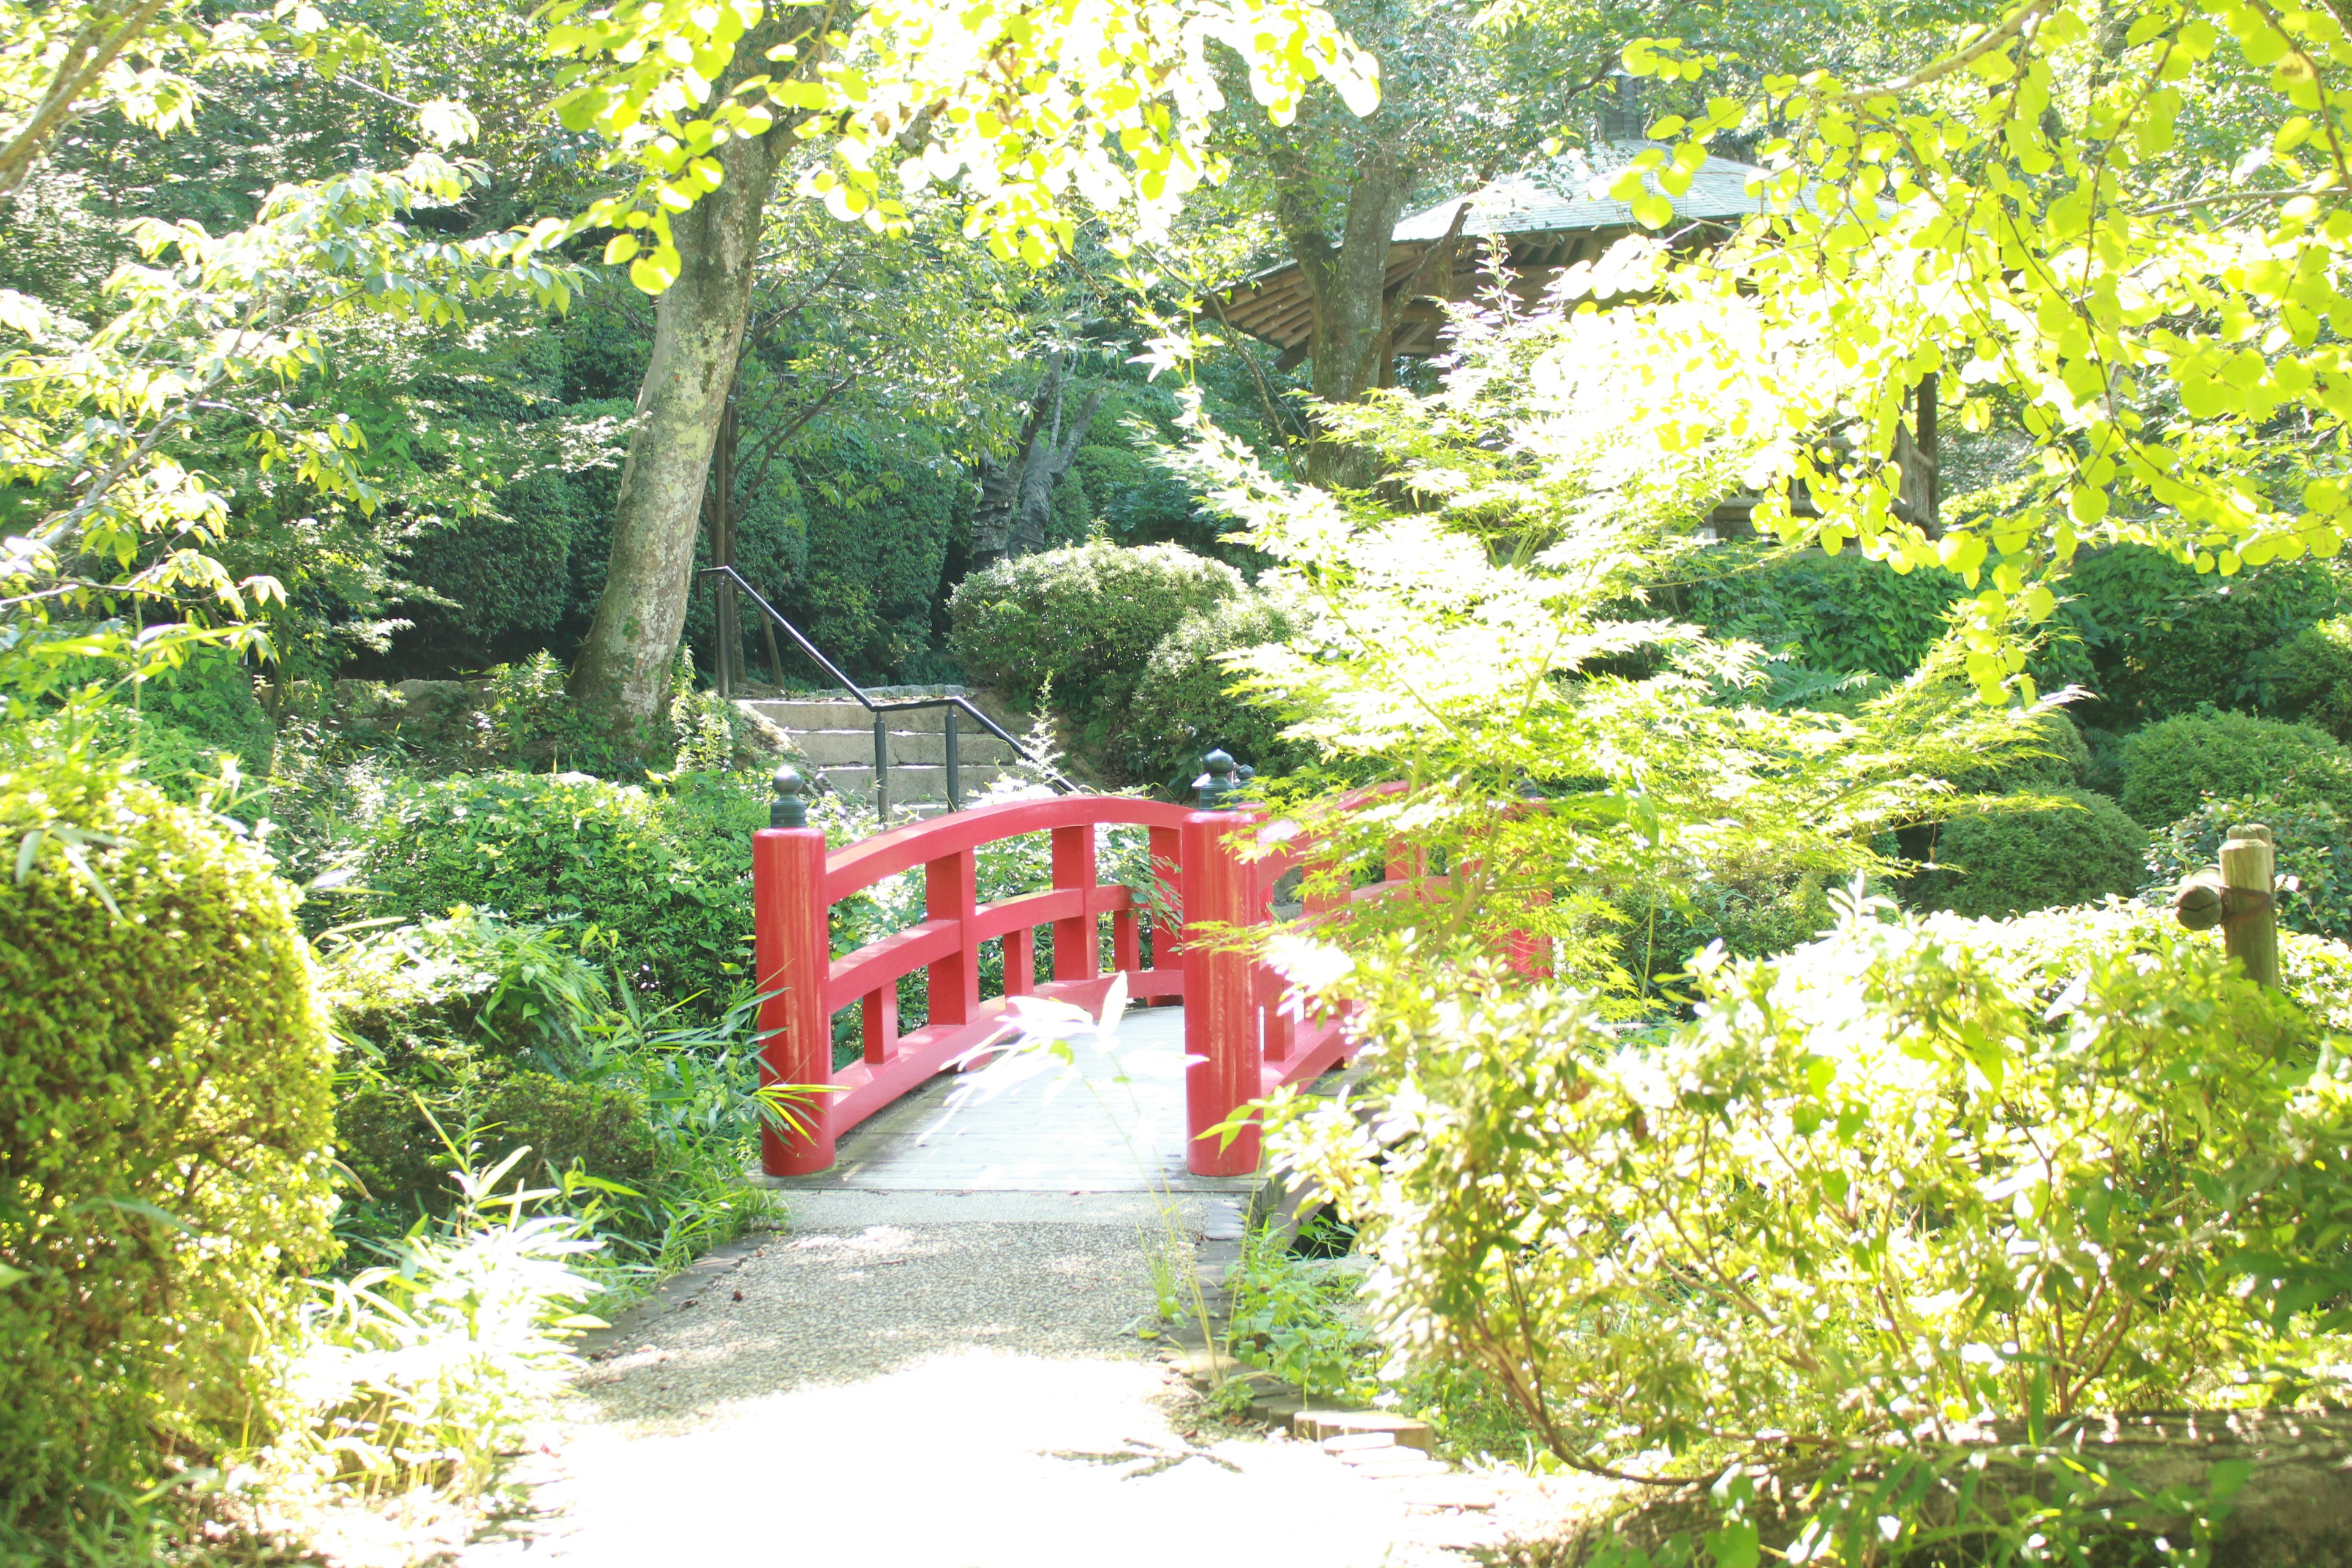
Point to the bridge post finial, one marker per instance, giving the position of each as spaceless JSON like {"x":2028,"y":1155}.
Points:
{"x":788,"y":808}
{"x":1210,"y":790}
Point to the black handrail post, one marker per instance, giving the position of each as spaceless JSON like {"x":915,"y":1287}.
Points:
{"x":955,"y":771}
{"x":882,"y":768}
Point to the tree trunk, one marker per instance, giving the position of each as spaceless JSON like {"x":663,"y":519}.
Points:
{"x":1016,"y":495}
{"x":624,"y":669}
{"x":1351,"y":331}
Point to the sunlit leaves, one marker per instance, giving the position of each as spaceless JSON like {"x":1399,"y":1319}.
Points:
{"x":1035,"y":114}
{"x":204,"y":326}
{"x":2015,"y":218}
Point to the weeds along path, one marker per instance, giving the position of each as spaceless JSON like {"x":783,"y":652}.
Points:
{"x":937,"y":1367}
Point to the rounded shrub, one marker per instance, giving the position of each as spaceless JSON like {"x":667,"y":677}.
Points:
{"x":2011,"y":862}
{"x":2170,"y":767}
{"x":1084,"y":619}
{"x":2162,"y":638}
{"x":663,"y":874}
{"x":2315,"y":857}
{"x":2309,"y":676}
{"x":164,"y":1132}
{"x":2061,"y":758}
{"x":1185,"y":705}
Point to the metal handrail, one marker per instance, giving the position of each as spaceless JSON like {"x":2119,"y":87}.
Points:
{"x":954,"y":705}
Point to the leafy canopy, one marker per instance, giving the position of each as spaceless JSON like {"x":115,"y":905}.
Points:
{"x":2119,"y":231}
{"x":1106,"y":100}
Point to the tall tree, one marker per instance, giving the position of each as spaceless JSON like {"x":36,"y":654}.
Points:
{"x":623,"y":666}
{"x":1107,"y":104}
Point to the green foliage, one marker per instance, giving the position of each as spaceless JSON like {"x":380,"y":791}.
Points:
{"x":2170,"y":767}
{"x":1139,"y":501}
{"x":2310,"y":676}
{"x":395,"y":1149}
{"x":2077,"y":850}
{"x":1084,"y":619}
{"x":506,"y":572}
{"x":2315,"y":857}
{"x":428,"y":1368}
{"x":1494,"y":646}
{"x":1073,"y":510}
{"x":481,"y":1039}
{"x":164,"y":1141}
{"x":1688,"y":1251}
{"x":663,"y":872}
{"x":2060,"y":757}
{"x":1664,"y":929}
{"x":1837,"y":613}
{"x":878,"y":520}
{"x":1185,"y":704}
{"x":1298,"y":1319}
{"x":2161,"y":639}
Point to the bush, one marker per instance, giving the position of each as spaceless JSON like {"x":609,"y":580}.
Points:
{"x":2012,"y":862}
{"x":878,"y":521}
{"x":2169,"y":768}
{"x":1087,"y":620}
{"x":1842,"y":612}
{"x":393,"y":1147}
{"x":2063,"y":760}
{"x":506,"y":572}
{"x":1753,"y":917}
{"x":1689,"y":1251}
{"x":661,"y":873}
{"x":163,"y":1141}
{"x":2162,"y":638}
{"x":2309,"y":678}
{"x":1184,"y":707}
{"x":2314,"y":858}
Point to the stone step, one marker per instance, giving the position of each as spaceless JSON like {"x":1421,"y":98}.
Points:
{"x":845,"y":714}
{"x":907,"y":785}
{"x":842,"y":748}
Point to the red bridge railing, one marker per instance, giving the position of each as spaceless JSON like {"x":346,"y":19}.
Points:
{"x":1245,"y":1036}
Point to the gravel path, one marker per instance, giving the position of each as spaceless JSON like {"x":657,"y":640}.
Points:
{"x":930,"y":1396}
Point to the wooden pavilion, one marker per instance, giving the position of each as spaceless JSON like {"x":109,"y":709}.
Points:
{"x":1545,"y":220}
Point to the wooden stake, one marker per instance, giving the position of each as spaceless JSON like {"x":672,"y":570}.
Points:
{"x":2249,"y":913}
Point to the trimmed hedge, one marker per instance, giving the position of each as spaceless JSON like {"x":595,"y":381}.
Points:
{"x":2014,"y":862}
{"x":164,"y":1105}
{"x":1184,"y":705}
{"x":1086,"y":619}
{"x":2169,"y":768}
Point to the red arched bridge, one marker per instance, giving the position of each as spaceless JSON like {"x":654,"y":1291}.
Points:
{"x":1246,"y":1036}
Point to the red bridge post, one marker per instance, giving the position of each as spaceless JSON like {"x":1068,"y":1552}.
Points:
{"x":792,"y":955}
{"x":1220,"y":1014}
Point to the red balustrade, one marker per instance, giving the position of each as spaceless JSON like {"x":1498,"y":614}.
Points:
{"x":1247,"y":1034}
{"x":1246,"y":1030}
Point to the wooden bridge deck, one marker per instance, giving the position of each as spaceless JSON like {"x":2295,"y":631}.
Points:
{"x":1114,"y":1125}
